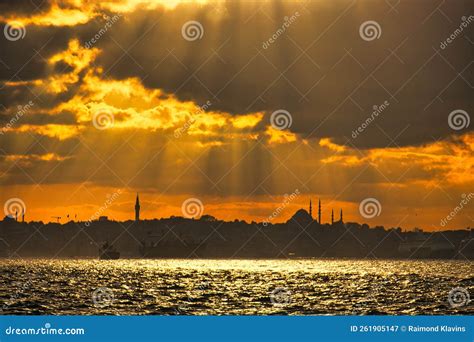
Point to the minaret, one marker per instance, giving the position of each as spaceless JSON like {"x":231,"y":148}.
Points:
{"x":332,"y":216}
{"x":23,"y":216}
{"x":319,"y":212}
{"x":16,"y":215}
{"x":341,"y":217}
{"x":310,"y":208}
{"x":137,"y":209}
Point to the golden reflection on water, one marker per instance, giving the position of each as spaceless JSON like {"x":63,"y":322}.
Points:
{"x":312,"y":265}
{"x":304,"y":287}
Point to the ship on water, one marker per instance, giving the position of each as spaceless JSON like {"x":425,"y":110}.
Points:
{"x":208,"y":237}
{"x":466,"y":248}
{"x":424,"y":246}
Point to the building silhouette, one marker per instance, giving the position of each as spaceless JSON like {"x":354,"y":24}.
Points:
{"x":149,"y":238}
{"x":137,"y":209}
{"x":319,"y":212}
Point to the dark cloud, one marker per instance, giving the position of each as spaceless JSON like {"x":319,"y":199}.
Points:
{"x":26,"y":59}
{"x":162,"y":166}
{"x":24,"y":7}
{"x":320,"y":69}
{"x":29,"y":143}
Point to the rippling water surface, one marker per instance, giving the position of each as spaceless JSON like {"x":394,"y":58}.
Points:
{"x":235,"y":287}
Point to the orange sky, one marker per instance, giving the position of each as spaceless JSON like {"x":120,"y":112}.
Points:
{"x":118,"y":204}
{"x":89,"y":133}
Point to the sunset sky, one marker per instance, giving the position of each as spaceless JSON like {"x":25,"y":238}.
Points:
{"x":105,"y":96}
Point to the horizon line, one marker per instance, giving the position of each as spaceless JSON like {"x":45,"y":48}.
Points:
{"x":196,"y":219}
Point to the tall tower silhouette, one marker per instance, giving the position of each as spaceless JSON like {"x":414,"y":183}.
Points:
{"x":310,"y":208}
{"x":341,"y":217}
{"x":137,"y":209}
{"x":319,"y":212}
{"x":332,"y":216}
